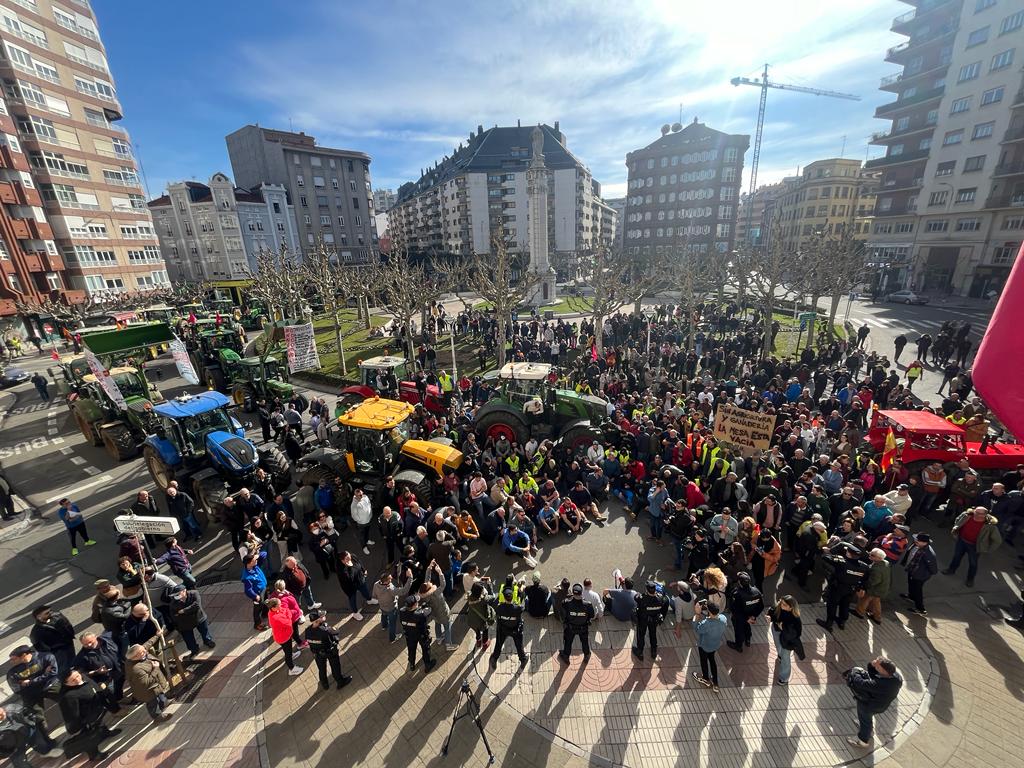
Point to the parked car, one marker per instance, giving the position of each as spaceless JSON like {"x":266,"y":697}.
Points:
{"x":907,"y":297}
{"x":11,"y":376}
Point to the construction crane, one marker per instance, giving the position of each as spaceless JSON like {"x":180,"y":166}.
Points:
{"x":764,"y":84}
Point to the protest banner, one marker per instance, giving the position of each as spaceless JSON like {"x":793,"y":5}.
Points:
{"x":183,"y":362}
{"x":744,"y":429}
{"x":301,"y":348}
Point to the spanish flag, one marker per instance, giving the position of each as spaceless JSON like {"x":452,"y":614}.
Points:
{"x":889,"y":451}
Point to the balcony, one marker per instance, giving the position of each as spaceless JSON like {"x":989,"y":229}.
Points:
{"x":20,"y":229}
{"x":1009,"y":169}
{"x":901,"y":185}
{"x":895,"y":53}
{"x":15,"y":160}
{"x":39,"y":230}
{"x":918,"y":98}
{"x":901,"y":79}
{"x":7,"y":195}
{"x":880,"y":137}
{"x":1013,"y":134}
{"x":1013,"y":200}
{"x":87,"y":33}
{"x":897,"y":210}
{"x":902,"y":19}
{"x":890,"y":160}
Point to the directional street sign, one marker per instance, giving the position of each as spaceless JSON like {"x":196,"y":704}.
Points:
{"x":157,"y":526}
{"x":806,"y":318}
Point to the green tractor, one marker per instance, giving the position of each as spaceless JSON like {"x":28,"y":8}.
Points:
{"x":205,"y":344}
{"x":255,"y":315}
{"x":102,"y":421}
{"x":69,"y":374}
{"x":529,"y":405}
{"x":250,"y":379}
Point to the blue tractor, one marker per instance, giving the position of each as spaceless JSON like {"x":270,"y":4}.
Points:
{"x":198,"y":443}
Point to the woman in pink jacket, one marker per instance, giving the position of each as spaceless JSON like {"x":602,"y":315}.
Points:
{"x":291,"y":605}
{"x":282,"y":626}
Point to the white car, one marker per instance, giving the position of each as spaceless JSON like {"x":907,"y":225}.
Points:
{"x":907,"y":297}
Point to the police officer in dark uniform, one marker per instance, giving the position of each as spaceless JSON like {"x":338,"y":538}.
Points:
{"x":650,"y":612}
{"x":578,"y":615}
{"x":745,"y":605}
{"x":413,"y":619}
{"x":509,"y":624}
{"x":323,"y":642}
{"x":849,"y":573}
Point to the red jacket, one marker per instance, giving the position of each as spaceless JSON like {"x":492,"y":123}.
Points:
{"x":280,"y":624}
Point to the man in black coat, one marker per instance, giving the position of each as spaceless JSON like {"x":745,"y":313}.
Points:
{"x":83,"y":704}
{"x":509,"y":624}
{"x":101,"y":660}
{"x":21,"y":728}
{"x":413,"y":619}
{"x":701,"y":552}
{"x":651,"y":610}
{"x":874,"y":688}
{"x":183,"y":508}
{"x":745,"y":605}
{"x":849,"y":574}
{"x":53,"y":633}
{"x":32,"y":676}
{"x":187,"y":608}
{"x":323,"y":642}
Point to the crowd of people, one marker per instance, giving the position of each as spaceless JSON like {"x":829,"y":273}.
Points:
{"x":746,"y":533}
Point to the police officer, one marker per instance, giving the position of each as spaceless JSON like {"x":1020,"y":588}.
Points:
{"x":849,"y":574}
{"x":578,"y":615}
{"x":745,"y":605}
{"x":509,"y":624}
{"x":413,"y":619}
{"x":323,"y":641}
{"x":650,"y":612}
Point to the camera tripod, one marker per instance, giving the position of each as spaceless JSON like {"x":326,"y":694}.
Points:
{"x":473,"y":711}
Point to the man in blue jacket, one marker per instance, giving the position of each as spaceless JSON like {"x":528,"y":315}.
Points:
{"x":254,"y":582}
{"x":709,"y":624}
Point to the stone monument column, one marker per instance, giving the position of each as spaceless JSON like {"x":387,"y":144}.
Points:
{"x":537,"y":189}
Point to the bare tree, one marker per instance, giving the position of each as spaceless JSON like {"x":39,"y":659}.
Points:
{"x":504,"y":278}
{"x":766,"y":271}
{"x":333,"y":284}
{"x":617,"y":278}
{"x":191,"y":293}
{"x":277,"y":282}
{"x":693,"y":276}
{"x":405,"y":288}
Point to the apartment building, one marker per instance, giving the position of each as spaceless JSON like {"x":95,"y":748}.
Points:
{"x":480,"y":190}
{"x":383,"y":199}
{"x":945,"y":193}
{"x":329,"y":188}
{"x":684,"y":186}
{"x":830,"y":196}
{"x":755,"y":211}
{"x":213,"y":231}
{"x":68,"y":170}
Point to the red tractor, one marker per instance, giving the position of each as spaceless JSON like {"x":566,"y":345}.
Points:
{"x":407,"y":392}
{"x":923,"y":437}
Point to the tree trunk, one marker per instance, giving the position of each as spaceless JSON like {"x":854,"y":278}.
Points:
{"x":599,"y":333}
{"x":833,"y":309}
{"x":812,"y":326}
{"x":769,"y":308}
{"x":340,"y":341}
{"x":364,"y":304}
{"x":502,"y":319}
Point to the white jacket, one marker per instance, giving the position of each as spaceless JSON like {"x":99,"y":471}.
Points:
{"x":362,"y":513}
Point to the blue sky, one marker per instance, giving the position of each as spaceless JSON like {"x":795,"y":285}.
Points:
{"x":407,"y":81}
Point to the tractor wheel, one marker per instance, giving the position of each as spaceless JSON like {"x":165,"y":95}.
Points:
{"x":424,"y":491}
{"x":160,"y":472}
{"x":241,"y":396}
{"x":276,"y":464}
{"x":209,"y":494}
{"x":342,"y":490}
{"x":88,"y":432}
{"x":494,"y":425}
{"x":577,"y":439}
{"x":119,"y":442}
{"x":215,"y":379}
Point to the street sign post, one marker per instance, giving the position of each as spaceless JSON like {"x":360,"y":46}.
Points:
{"x":806,"y":318}
{"x":143,"y":524}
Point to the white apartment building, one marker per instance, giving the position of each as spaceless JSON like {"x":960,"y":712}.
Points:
{"x":214,"y":231}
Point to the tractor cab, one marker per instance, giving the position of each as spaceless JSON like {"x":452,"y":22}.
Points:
{"x":191,"y":424}
{"x":163,"y":313}
{"x":129,"y":382}
{"x":373,"y":434}
{"x":184,"y":310}
{"x":224,"y":306}
{"x":527,"y":385}
{"x":368,"y":369}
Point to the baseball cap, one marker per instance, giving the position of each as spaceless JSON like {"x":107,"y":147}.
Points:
{"x":314,"y":614}
{"x":652,"y":587}
{"x":508,"y":592}
{"x":902,"y":487}
{"x":21,"y":650}
{"x":411,"y":600}
{"x":577,"y":589}
{"x":923,"y":537}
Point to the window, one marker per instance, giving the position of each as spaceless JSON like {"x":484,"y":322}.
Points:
{"x":983,"y":130}
{"x":960,"y":105}
{"x":894,"y":151}
{"x":307,"y":220}
{"x":952,"y":137}
{"x":334,"y":183}
{"x":355,"y":203}
{"x":309,"y":238}
{"x":280,"y":226}
{"x":1004,"y":254}
{"x":937,"y":226}
{"x":350,"y":168}
{"x":992,"y":96}
{"x":1001,"y":60}
{"x":975,"y":163}
{"x":1013,"y":222}
{"x":302,"y":201}
{"x":932,"y":117}
{"x":977,"y":37}
{"x":352,"y":184}
{"x":731,"y":154}
{"x":359,"y":220}
{"x":325,"y":221}
{"x":924,"y":144}
{"x":904,"y":227}
{"x":968,"y":225}
{"x":1012,"y":23}
{"x":315,"y":161}
{"x":321,"y":201}
{"x":969,"y":72}
{"x":883,"y":229}
{"x":728,"y":174}
{"x":300,"y":181}
{"x":318,"y":181}
{"x":938,"y":198}
{"x":945,"y":169}
{"x":341,"y":221}
{"x":966,"y":195}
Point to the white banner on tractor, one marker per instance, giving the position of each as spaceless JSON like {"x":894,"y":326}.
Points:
{"x":301,"y":345}
{"x":106,"y":381}
{"x":183,"y":362}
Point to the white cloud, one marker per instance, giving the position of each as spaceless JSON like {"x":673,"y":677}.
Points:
{"x":415,"y":81}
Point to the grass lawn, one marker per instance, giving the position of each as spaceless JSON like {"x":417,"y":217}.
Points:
{"x":567,"y":306}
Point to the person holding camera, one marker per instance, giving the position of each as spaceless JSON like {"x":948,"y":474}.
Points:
{"x":746,"y":604}
{"x":509,"y":624}
{"x":848,"y":577}
{"x":651,"y":609}
{"x":578,"y":615}
{"x":322,"y":639}
{"x":875,"y":689}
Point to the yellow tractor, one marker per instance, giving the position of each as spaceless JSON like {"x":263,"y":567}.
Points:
{"x":371,"y":442}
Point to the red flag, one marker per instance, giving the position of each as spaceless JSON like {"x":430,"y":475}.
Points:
{"x":889,"y":450}
{"x":1002,"y":348}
